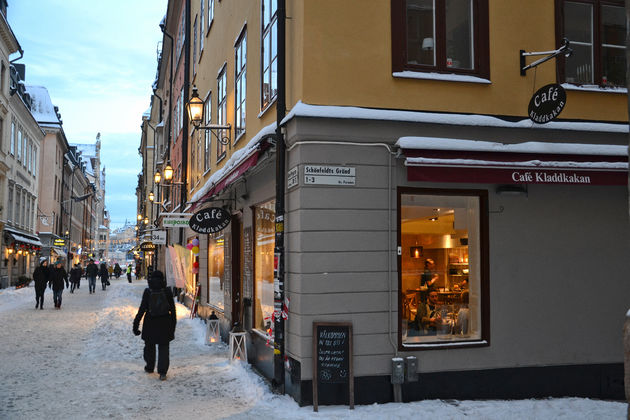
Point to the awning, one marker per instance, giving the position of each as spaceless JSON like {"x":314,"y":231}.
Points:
{"x":60,"y":252}
{"x":23,"y":238}
{"x":455,"y":160}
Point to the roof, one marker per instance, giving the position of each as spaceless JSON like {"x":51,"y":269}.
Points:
{"x":42,"y":107}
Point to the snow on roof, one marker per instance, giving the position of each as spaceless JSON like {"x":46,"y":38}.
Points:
{"x":351,"y":112}
{"x":42,"y":107}
{"x":88,"y":152}
{"x":237,"y":157}
{"x":436,"y":143}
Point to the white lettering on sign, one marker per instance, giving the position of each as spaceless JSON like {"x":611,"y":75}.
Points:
{"x":329,"y":175}
{"x":292,"y":177}
{"x":550,"y":178}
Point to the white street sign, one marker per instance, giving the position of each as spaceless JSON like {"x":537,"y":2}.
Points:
{"x":158,"y":237}
{"x":329,"y":175}
{"x":292,"y":177}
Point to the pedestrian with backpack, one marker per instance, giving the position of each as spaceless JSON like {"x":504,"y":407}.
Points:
{"x":158,"y":328}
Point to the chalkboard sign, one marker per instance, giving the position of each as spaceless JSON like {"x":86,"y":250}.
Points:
{"x":332,"y":357}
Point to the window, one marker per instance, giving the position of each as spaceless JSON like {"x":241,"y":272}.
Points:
{"x":181,"y":34}
{"x":1,"y":133}
{"x":34,"y":161}
{"x":10,"y":203}
{"x":201,"y":26}
{"x":194,"y":48}
{"x":210,"y":13}
{"x":12,"y":140}
{"x":443,"y":265}
{"x":216,"y":278}
{"x":597,"y":32}
{"x":29,"y":159}
{"x":447,"y":36}
{"x":19,"y":144}
{"x":264,"y":225}
{"x":240,"y":83}
{"x":207,"y":114}
{"x":221,"y":111}
{"x":269,"y":62}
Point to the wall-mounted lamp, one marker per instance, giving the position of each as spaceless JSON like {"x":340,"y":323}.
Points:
{"x":146,"y":220}
{"x":157,"y":177}
{"x":512,"y":189}
{"x":139,"y":217}
{"x":195,"y":113}
{"x":168,"y":172}
{"x":151,"y":196}
{"x":416,"y":252}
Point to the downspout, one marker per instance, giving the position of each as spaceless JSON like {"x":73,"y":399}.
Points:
{"x":170,"y":93}
{"x":281,"y":105}
{"x":160,"y":98}
{"x":185,"y":138}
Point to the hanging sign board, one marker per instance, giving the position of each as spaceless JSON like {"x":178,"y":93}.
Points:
{"x":158,"y":237}
{"x":59,"y":242}
{"x":210,"y":220}
{"x":175,"y":222}
{"x":547,"y":103}
{"x":147,"y":246}
{"x":332,"y":358}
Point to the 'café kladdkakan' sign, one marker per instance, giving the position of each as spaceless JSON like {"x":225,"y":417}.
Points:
{"x":210,"y":220}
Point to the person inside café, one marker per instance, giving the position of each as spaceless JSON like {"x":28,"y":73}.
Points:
{"x":429,"y":277}
{"x":428,"y":315}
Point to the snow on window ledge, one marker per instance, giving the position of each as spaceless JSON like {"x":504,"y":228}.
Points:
{"x":440,"y":76}
{"x":594,"y":88}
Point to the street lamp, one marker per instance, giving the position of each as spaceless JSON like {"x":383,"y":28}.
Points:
{"x":195,"y":113}
{"x":139,"y":217}
{"x":168,"y":172}
{"x":151,"y":196}
{"x":146,"y":220}
{"x":158,"y":177}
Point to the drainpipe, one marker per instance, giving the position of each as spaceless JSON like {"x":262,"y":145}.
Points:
{"x":170,"y":92}
{"x":185,"y":139}
{"x":281,"y":105}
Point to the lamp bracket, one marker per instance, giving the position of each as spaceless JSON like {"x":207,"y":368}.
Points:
{"x":564,"y":49}
{"x":224,"y":140}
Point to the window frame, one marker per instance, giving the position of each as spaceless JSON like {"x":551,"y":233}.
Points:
{"x":202,"y":26}
{"x":256,"y":260}
{"x":240,"y":78}
{"x":222,"y":109}
{"x":596,"y":33}
{"x":484,"y":286}
{"x":481,"y":43}
{"x":210,"y":12}
{"x":267,"y":30}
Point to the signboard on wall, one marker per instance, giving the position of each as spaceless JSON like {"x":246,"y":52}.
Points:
{"x":210,"y":220}
{"x":158,"y":237}
{"x":329,"y":175}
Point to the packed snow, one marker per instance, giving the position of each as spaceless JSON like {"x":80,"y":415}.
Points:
{"x":83,"y":361}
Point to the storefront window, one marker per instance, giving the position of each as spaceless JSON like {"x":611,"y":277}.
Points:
{"x":441,"y":274}
{"x":264,"y":256}
{"x":216,"y":284}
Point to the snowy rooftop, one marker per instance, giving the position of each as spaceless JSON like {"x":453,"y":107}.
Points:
{"x":88,"y":152}
{"x":42,"y":107}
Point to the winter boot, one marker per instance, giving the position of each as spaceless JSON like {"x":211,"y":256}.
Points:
{"x":162,"y":376}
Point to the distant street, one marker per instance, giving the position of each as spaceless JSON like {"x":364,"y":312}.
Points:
{"x":83,"y":362}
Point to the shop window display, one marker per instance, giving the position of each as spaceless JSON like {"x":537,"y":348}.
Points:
{"x":440,"y":268}
{"x":263,"y":264}
{"x":216,"y":283}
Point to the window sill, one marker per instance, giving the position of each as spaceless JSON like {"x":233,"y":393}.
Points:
{"x":266,"y":108}
{"x":240,"y":136}
{"x":594,"y":88}
{"x":445,"y":345}
{"x":450,"y":77}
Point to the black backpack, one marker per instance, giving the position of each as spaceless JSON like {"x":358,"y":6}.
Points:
{"x":158,"y":304}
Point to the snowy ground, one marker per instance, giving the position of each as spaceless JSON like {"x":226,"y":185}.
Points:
{"x":84,"y":362}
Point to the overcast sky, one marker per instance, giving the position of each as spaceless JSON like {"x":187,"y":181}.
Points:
{"x":98,"y":61}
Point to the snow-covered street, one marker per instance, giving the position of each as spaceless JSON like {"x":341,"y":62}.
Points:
{"x":83,"y":361}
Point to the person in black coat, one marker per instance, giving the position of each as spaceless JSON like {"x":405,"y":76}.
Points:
{"x":158,"y":331}
{"x":104,"y":274}
{"x":91,"y":271}
{"x":41,"y":275}
{"x":117,"y":270}
{"x":75,"y":277}
{"x":58,"y":278}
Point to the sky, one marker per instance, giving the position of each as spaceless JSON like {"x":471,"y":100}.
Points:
{"x":98,"y":60}
{"x":83,"y":362}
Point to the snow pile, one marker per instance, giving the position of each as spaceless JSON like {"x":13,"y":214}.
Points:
{"x":84,"y":362}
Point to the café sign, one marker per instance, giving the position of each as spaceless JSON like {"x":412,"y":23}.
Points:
{"x":209,"y":220}
{"x":147,"y":246}
{"x":547,"y":103}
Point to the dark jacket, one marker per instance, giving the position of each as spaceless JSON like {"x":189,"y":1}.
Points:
{"x":75,"y":274}
{"x":41,"y":275}
{"x":91,"y":270}
{"x":160,"y":330}
{"x":58,"y":278}
{"x":103,"y":272}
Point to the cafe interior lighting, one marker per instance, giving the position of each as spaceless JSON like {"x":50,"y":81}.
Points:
{"x":416,"y":251}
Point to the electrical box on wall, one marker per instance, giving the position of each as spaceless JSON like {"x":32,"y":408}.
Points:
{"x":398,"y":370}
{"x":411,"y":369}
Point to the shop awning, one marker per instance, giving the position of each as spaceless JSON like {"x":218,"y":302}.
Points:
{"x":60,"y":252}
{"x":23,"y":238}
{"x":455,"y":160}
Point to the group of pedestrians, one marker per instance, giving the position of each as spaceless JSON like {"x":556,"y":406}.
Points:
{"x":56,"y":278}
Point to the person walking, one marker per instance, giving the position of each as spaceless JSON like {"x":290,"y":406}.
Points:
{"x":129,"y":273}
{"x":75,"y":277}
{"x":91,"y":271}
{"x":117,"y":270}
{"x":104,"y":274}
{"x":41,"y":275}
{"x":58,"y":278}
{"x":158,"y":328}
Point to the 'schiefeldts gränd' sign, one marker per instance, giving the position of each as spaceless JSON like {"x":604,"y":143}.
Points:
{"x":210,"y":220}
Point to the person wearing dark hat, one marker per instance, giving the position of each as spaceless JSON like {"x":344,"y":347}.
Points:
{"x":59,"y":277}
{"x":158,"y":327}
{"x":41,"y":275}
